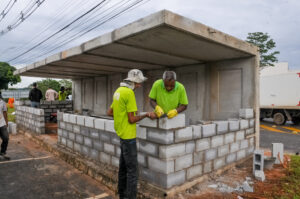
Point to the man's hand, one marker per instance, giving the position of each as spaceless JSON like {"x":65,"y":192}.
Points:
{"x":158,"y":111}
{"x":152,"y":115}
{"x":172,"y":113}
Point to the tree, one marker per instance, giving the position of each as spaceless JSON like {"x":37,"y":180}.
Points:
{"x":7,"y":76}
{"x":265,"y":45}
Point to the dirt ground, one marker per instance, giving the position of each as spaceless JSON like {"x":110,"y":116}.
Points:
{"x":234,"y":178}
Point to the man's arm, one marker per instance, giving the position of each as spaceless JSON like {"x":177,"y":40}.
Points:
{"x":181,"y":108}
{"x":153,"y":103}
{"x":133,"y":119}
{"x":110,"y":112}
{"x":5,"y":117}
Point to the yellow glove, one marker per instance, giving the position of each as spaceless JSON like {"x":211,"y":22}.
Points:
{"x":158,"y":111}
{"x":172,"y":113}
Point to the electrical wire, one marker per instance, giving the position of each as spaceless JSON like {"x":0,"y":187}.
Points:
{"x":5,"y":12}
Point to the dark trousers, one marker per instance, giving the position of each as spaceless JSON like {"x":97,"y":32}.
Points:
{"x":128,"y":169}
{"x":4,"y":137}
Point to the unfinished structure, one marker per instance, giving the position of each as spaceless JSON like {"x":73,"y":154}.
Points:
{"x":219,"y":72}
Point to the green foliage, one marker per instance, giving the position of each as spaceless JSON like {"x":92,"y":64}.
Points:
{"x":10,"y":116}
{"x":265,"y":45}
{"x":54,"y":84}
{"x":7,"y":76}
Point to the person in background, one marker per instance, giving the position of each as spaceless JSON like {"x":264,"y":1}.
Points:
{"x":51,"y":95}
{"x":168,"y":96}
{"x":35,"y":96}
{"x":123,"y":109}
{"x":3,"y":128}
{"x":62,"y":95}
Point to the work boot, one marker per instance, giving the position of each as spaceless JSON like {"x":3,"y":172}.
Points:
{"x":5,"y":156}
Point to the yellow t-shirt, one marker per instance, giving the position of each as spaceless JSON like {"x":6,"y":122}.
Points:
{"x":124,"y":102}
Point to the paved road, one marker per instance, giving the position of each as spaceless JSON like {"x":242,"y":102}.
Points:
{"x":33,"y":173}
{"x":287,"y":134}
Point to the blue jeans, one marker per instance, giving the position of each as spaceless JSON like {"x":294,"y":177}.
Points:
{"x":4,"y":136}
{"x":35,"y":104}
{"x":128,"y":169}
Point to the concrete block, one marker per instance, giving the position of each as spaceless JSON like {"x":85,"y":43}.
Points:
{"x":161,"y":136}
{"x":173,"y":179}
{"x":85,"y":131}
{"x":148,"y":148}
{"x":70,"y":144}
{"x":161,"y":166}
{"x":184,"y":134}
{"x":241,"y":154}
{"x":246,"y":113}
{"x":223,"y":150}
{"x":99,"y":124}
{"x":142,"y":160}
{"x":118,"y":151}
{"x":39,"y":112}
{"x":73,"y":118}
{"x":80,"y":120}
{"x":65,"y":133}
{"x":244,"y":144}
{"x":115,"y":139}
{"x":251,"y":123}
{"x":250,"y":150}
{"x":198,"y":157}
{"x":115,"y":161}
{"x":175,"y":122}
{"x":217,"y":141}
{"x":147,"y":122}
{"x":141,"y":132}
{"x":79,"y":139}
{"x":277,"y":152}
{"x":109,"y":126}
{"x":240,"y":135}
{"x":231,"y":158}
{"x":208,"y":130}
{"x":259,"y":175}
{"x":251,"y":141}
{"x":234,"y":125}
{"x":94,"y":154}
{"x":62,"y":125}
{"x":202,"y":144}
{"x":94,"y":134}
{"x":207,"y":167}
{"x":76,"y":128}
{"x":194,"y":171}
{"x":88,"y":142}
{"x":219,"y":163}
{"x":109,"y":148}
{"x":69,"y":127}
{"x":98,"y":145}
{"x":210,"y":154}
{"x":234,"y":147}
{"x":229,"y":138}
{"x":172,"y":151}
{"x":64,"y":141}
{"x":89,"y":122}
{"x":71,"y":136}
{"x":222,"y":126}
{"x":250,"y":131}
{"x":59,"y":132}
{"x":190,"y":147}
{"x":65,"y":117}
{"x":105,"y":158}
{"x":105,"y":136}
{"x":183,"y":162}
{"x":244,"y":124}
{"x":197,"y":131}
{"x":77,"y":147}
{"x":258,"y":161}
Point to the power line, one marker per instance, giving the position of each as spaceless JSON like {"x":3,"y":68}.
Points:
{"x":5,"y":12}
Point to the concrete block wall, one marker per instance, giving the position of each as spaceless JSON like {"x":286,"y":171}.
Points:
{"x":54,"y":106}
{"x":29,"y":118}
{"x":169,"y":154}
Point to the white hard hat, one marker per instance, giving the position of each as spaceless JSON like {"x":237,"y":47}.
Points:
{"x":135,"y":75}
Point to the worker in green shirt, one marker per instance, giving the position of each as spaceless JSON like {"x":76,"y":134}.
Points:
{"x":168,"y":96}
{"x":123,"y":109}
{"x":62,"y":95}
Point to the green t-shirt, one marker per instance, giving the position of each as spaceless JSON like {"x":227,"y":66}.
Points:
{"x":168,"y":100}
{"x":123,"y":103}
{"x":62,"y":96}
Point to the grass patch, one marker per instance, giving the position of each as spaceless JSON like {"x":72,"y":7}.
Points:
{"x":291,"y":182}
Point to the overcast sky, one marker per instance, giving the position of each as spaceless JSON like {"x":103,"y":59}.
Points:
{"x":279,"y":18}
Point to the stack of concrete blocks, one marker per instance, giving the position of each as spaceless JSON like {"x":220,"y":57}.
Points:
{"x":54,"y":106}
{"x":29,"y":118}
{"x":258,"y":165}
{"x":169,"y":153}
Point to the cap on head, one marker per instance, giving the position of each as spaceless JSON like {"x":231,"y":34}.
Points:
{"x":34,"y":84}
{"x":135,"y":75}
{"x":169,"y":75}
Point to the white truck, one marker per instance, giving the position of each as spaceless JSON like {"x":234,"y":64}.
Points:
{"x":280,"y":94}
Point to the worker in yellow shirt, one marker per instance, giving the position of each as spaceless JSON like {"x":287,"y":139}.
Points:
{"x":123,"y":109}
{"x":168,"y":96}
